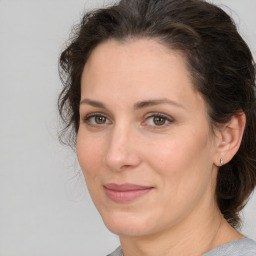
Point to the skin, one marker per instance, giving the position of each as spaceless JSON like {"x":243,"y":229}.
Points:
{"x":119,"y":141}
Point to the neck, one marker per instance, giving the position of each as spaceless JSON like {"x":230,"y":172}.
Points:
{"x":194,"y":236}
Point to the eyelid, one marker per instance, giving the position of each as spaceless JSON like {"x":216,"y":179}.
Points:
{"x":168,"y":118}
{"x":158,"y":114}
{"x":94,"y":114}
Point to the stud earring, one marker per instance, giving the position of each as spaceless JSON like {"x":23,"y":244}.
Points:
{"x":221,"y":161}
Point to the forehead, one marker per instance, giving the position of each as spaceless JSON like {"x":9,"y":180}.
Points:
{"x":141,"y":58}
{"x":142,"y":52}
{"x":137,"y":69}
{"x":130,"y":47}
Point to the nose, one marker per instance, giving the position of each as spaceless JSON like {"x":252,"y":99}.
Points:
{"x":122,"y":150}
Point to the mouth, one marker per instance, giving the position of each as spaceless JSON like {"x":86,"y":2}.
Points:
{"x":124,"y":193}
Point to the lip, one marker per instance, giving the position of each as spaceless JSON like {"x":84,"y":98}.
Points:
{"x":122,"y":193}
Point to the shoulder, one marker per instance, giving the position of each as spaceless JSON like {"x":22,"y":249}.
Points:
{"x":242,"y":247}
{"x":117,"y":252}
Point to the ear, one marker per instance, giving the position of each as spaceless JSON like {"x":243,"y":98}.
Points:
{"x":229,"y":138}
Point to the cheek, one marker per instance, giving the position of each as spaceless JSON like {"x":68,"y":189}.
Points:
{"x":171,"y":153}
{"x":89,"y":152}
{"x":182,"y":158}
{"x":183,"y":168}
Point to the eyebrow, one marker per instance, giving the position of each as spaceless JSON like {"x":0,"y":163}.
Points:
{"x":93,"y":103}
{"x":137,"y":105}
{"x":154,"y":102}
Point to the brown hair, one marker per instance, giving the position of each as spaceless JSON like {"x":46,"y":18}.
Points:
{"x":220,"y":63}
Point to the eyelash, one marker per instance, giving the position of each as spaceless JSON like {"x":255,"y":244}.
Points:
{"x":151,"y":115}
{"x":167,"y":120}
{"x":88,"y":117}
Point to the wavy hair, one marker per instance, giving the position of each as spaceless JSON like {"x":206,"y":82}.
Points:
{"x":220,"y":63}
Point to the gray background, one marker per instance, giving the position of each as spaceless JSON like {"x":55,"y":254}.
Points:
{"x":45,"y":209}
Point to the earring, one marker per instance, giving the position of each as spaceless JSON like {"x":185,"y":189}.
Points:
{"x":221,"y":161}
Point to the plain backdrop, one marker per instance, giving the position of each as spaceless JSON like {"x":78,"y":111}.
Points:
{"x":45,"y":209}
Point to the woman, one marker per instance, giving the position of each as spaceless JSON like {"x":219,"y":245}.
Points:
{"x":160,"y":97}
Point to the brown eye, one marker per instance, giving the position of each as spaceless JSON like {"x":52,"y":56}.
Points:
{"x":100,"y":119}
{"x":158,"y":120}
{"x":95,"y":119}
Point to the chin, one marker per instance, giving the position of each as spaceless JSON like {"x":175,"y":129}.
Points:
{"x":126,"y":229}
{"x":128,"y":224}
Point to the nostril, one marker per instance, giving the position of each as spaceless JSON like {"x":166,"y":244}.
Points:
{"x":121,"y":151}
{"x":121,"y":160}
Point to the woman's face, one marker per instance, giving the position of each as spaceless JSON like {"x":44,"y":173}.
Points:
{"x":144,"y":141}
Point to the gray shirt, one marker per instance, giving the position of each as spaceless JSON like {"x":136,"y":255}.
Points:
{"x":242,"y":247}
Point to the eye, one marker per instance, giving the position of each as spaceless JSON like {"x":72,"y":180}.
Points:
{"x":96,"y":119}
{"x":158,"y":120}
